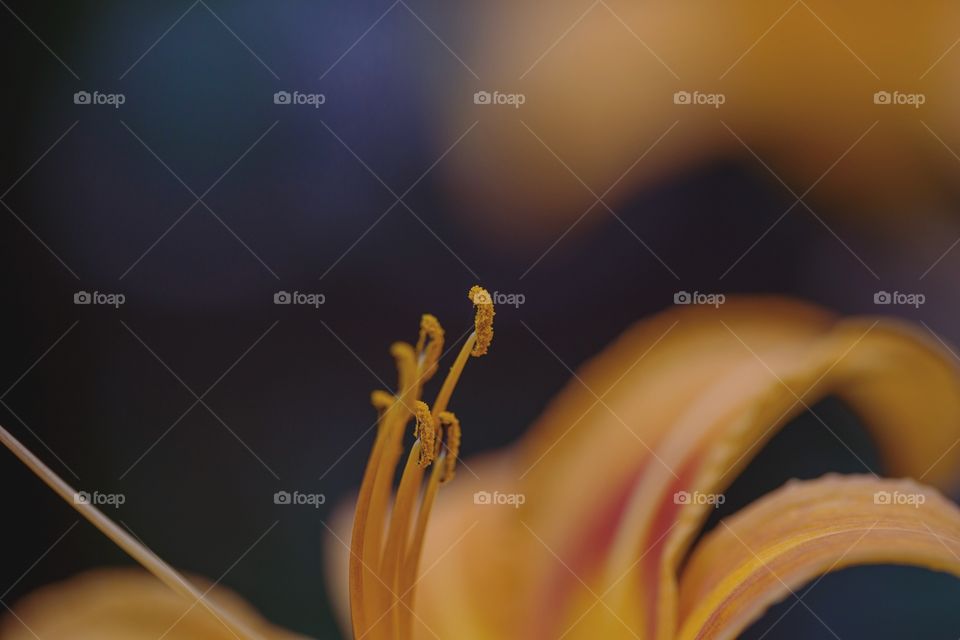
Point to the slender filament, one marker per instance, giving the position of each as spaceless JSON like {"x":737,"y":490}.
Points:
{"x":137,"y":550}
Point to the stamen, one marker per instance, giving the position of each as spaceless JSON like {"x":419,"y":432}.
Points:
{"x":368,"y":591}
{"x":393,"y":554}
{"x":382,"y":576}
{"x":443,"y":472}
{"x":429,"y":345}
{"x":426,"y":432}
{"x":411,"y":563}
{"x":135,"y":549}
{"x":483,"y":322}
{"x":360,"y":573}
{"x":451,"y":440}
{"x":381,"y":400}
{"x":476,"y":345}
{"x":392,"y":425}
{"x":406,"y":359}
{"x":365,"y":542}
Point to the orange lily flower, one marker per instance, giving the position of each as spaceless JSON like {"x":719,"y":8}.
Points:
{"x":588,"y":527}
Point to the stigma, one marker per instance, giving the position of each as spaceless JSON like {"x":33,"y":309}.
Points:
{"x":383,"y":571}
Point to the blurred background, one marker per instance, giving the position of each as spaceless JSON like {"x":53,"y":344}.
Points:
{"x":594,"y":158}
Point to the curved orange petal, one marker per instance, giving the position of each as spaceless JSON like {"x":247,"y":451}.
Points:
{"x":588,"y":451}
{"x":682,"y":402}
{"x":126,"y":604}
{"x":906,"y":390}
{"x":807,"y":529}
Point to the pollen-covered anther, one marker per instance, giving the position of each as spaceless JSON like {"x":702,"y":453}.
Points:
{"x":451,"y":440}
{"x":429,"y":345}
{"x":483,"y":320}
{"x":426,"y":432}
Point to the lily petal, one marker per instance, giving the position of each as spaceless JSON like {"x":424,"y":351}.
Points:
{"x":126,"y":604}
{"x":807,"y":529}
{"x":587,"y":453}
{"x":683,"y":402}
{"x":905,"y":389}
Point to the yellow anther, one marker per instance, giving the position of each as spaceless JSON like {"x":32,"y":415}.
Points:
{"x":381,"y":400}
{"x":429,"y":345}
{"x":451,"y":440}
{"x":425,"y":431}
{"x":483,"y":320}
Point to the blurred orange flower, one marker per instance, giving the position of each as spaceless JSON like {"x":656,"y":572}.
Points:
{"x":846,"y":103}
